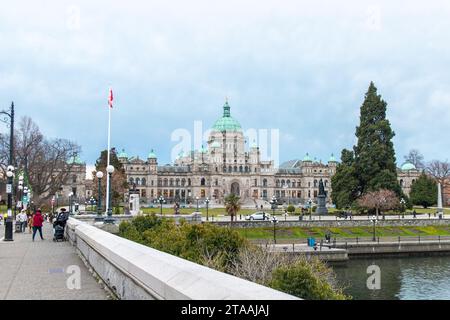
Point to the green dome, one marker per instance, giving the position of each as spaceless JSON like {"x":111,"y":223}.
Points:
{"x":332,"y":158}
{"x":152,"y":155}
{"x":307,"y":158}
{"x":203,"y":150}
{"x":122,"y":154}
{"x":408,"y":166}
{"x":74,"y":160}
{"x":226,"y":123}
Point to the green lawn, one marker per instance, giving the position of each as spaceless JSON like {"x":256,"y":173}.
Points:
{"x":290,"y":233}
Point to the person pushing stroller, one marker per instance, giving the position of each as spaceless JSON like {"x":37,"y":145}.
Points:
{"x":60,"y":224}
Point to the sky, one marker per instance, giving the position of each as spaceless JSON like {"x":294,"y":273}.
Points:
{"x":299,"y":67}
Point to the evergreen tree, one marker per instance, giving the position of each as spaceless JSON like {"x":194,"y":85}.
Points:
{"x":424,"y":191}
{"x":344,"y":182}
{"x":374,"y":153}
{"x":119,"y":184}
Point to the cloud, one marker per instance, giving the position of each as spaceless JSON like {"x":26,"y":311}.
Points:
{"x":298,"y":66}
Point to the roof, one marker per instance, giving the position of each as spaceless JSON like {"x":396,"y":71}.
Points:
{"x":226,"y":123}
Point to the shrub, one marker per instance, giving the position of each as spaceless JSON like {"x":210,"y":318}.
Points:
{"x":311,"y":280}
{"x":290,"y":209}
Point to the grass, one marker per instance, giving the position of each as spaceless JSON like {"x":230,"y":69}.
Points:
{"x":343,"y":232}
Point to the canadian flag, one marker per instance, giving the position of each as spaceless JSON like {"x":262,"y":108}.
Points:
{"x":110,"y":98}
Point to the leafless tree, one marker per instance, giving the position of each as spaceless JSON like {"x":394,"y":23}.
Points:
{"x":416,"y":158}
{"x":44,"y":160}
{"x":440,"y":171}
{"x":379,"y":200}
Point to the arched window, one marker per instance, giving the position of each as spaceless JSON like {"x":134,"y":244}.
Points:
{"x":202,"y":182}
{"x":131,"y":180}
{"x":230,"y":169}
{"x":138,"y":181}
{"x":171,"y":182}
{"x":235,"y":168}
{"x":165,"y":182}
{"x":183,"y":182}
{"x":159,"y":182}
{"x":315,"y":183}
{"x":189,"y":181}
{"x":277,"y":183}
{"x":283,"y":183}
{"x":144,"y":182}
{"x":264,"y":182}
{"x":288,"y":183}
{"x":240,"y":169}
{"x":177,"y":182}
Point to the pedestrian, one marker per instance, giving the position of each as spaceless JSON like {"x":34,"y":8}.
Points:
{"x":22,"y":219}
{"x":30,"y":222}
{"x":38,"y":219}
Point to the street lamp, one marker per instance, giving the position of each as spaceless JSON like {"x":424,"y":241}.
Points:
{"x":9,"y":173}
{"x":99,"y":216}
{"x":310,"y":208}
{"x":9,"y":219}
{"x":273,"y":202}
{"x":402,"y":202}
{"x":161,"y":201}
{"x":274,"y":221}
{"x":196,"y":198}
{"x":109,"y":218}
{"x":207,"y":202}
{"x":374,"y":220}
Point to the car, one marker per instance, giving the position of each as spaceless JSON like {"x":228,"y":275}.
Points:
{"x":258,"y":216}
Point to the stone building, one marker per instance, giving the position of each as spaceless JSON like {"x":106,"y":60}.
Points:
{"x":227,"y":166}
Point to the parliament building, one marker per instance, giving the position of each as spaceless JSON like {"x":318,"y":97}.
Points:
{"x":227,"y":166}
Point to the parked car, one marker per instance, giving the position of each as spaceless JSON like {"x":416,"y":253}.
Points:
{"x":258,"y":216}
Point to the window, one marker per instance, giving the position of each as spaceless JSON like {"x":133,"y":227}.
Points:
{"x":189,"y":182}
{"x":131,"y":180}
{"x":74,"y":179}
{"x":265,"y":183}
{"x":202,"y":182}
{"x":138,"y":181}
{"x":143,"y":181}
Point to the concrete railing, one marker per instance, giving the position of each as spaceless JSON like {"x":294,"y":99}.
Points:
{"x":135,"y":271}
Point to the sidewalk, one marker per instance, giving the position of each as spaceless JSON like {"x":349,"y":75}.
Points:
{"x":38,"y":270}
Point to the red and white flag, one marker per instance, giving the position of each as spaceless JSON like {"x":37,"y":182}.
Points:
{"x":110,"y":98}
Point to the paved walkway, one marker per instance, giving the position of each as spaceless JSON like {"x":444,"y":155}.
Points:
{"x":38,"y":270}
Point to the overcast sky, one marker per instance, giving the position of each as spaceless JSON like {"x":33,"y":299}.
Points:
{"x":302,"y":67}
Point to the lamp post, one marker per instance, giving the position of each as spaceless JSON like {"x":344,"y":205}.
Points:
{"x":99,"y":216}
{"x":9,"y":219}
{"x":109,"y":218}
{"x":161,"y":201}
{"x":196,"y":198}
{"x":310,"y":208}
{"x":273,"y":203}
{"x":207,"y":202}
{"x":374,"y":220}
{"x":274,"y":221}
{"x":402,"y":202}
{"x":20,"y":191}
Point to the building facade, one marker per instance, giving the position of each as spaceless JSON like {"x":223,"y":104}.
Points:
{"x":227,"y":166}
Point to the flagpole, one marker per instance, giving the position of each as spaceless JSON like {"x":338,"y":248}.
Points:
{"x":108,"y":157}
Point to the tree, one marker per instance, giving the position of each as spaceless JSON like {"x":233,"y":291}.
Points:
{"x":232,"y":205}
{"x":440,"y":171}
{"x":374,"y":153}
{"x":424,"y":191}
{"x":344,"y":182}
{"x":119,"y":183}
{"x":290,"y":209}
{"x":45,"y":162}
{"x":379,"y":200}
{"x":416,"y":158}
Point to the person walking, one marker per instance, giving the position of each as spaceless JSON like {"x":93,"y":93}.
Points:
{"x":38,"y":219}
{"x":23,"y":219}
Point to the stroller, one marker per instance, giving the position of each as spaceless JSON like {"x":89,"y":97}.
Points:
{"x":59,"y":226}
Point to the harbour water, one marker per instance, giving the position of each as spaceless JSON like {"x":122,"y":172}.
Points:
{"x":406,"y":278}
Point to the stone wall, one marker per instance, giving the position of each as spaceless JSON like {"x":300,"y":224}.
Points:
{"x":135,"y":271}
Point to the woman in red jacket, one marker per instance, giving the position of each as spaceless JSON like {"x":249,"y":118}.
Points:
{"x":38,"y":219}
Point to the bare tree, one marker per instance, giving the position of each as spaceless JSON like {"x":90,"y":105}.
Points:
{"x":379,"y":200}
{"x":440,"y":171}
{"x":45,"y":161}
{"x":416,"y":158}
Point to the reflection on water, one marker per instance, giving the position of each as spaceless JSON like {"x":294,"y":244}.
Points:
{"x":412,"y":278}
